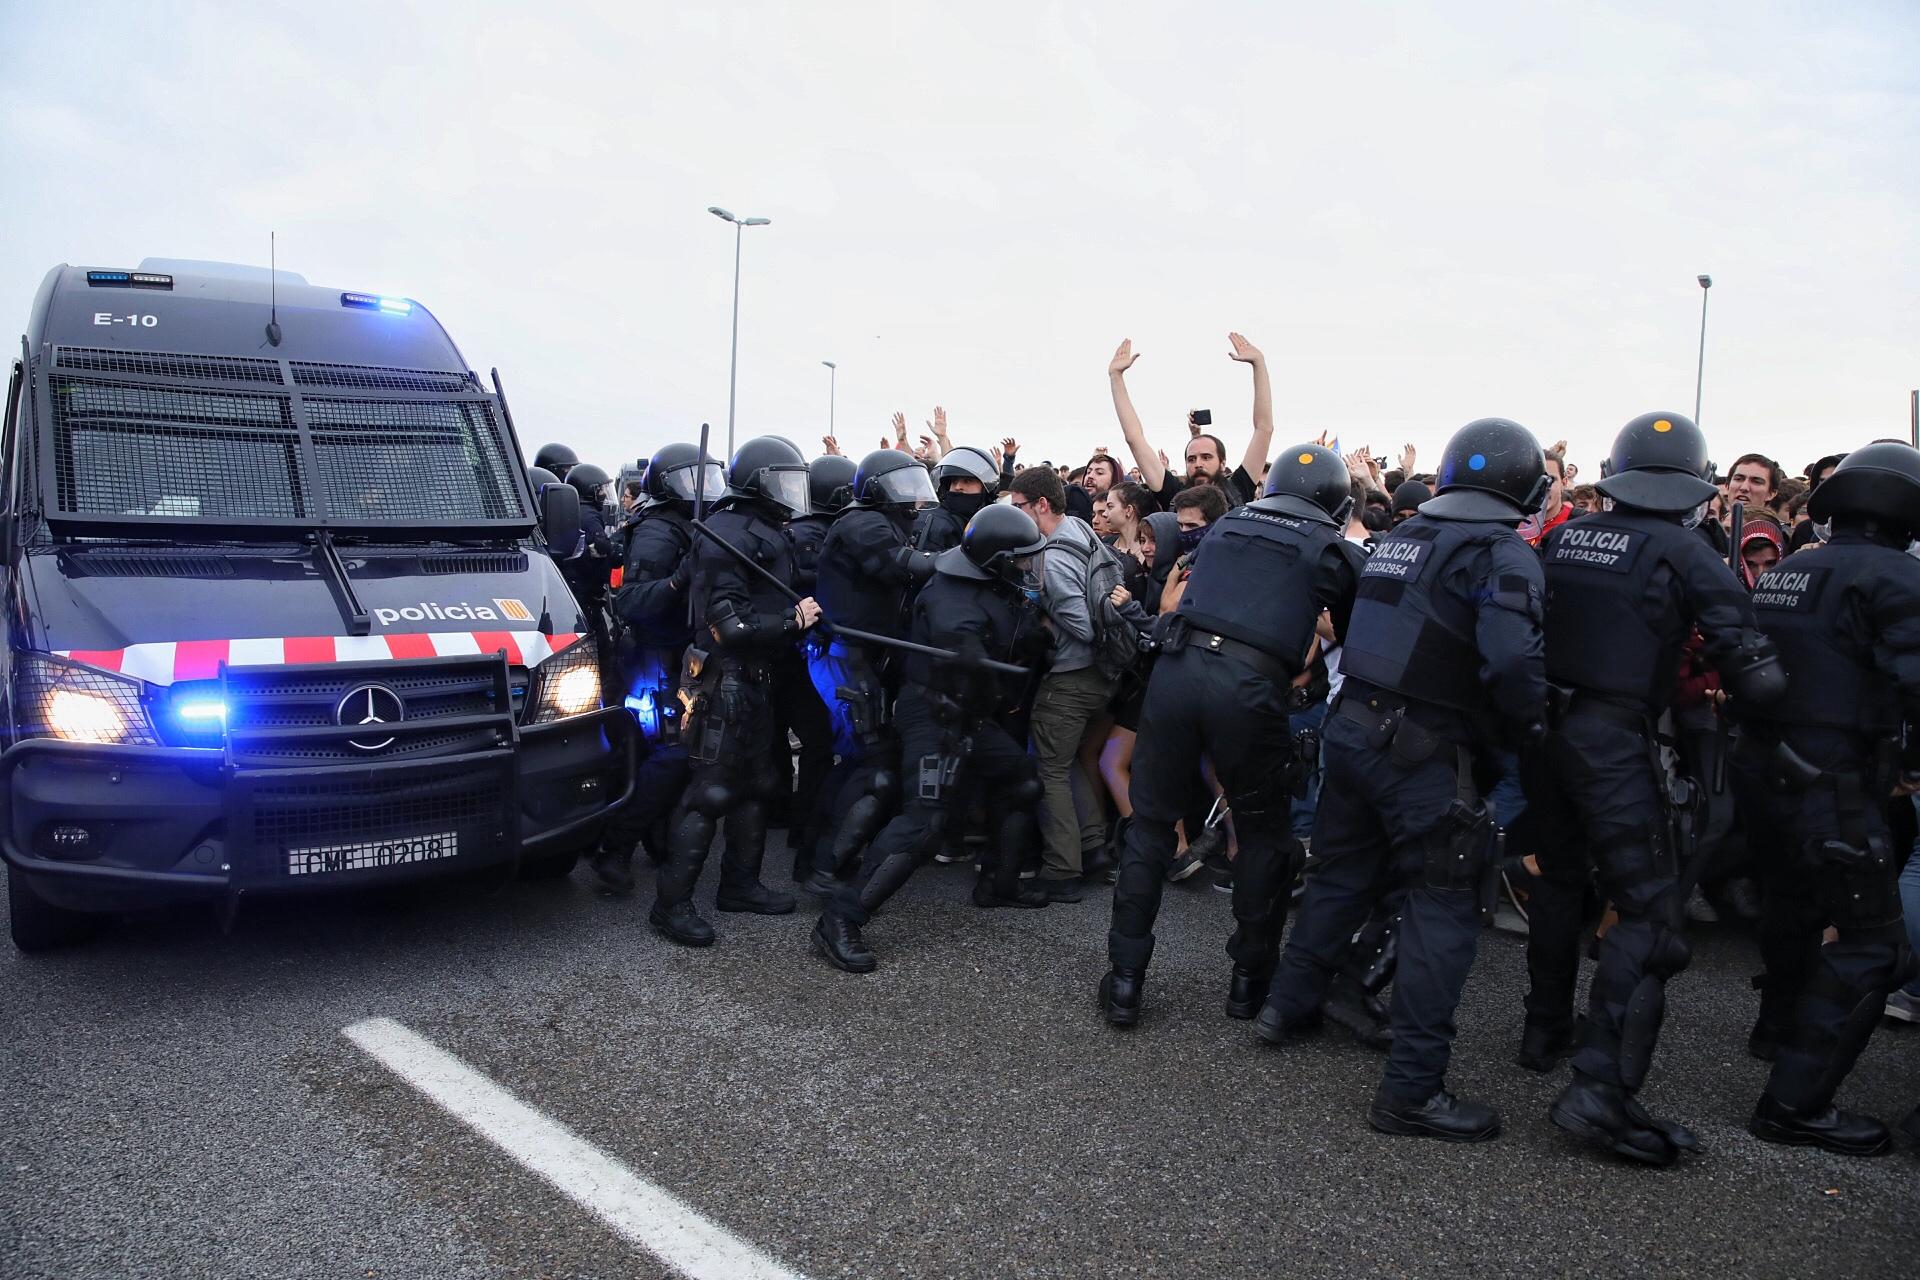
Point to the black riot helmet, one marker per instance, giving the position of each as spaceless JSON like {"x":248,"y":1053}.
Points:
{"x":1491,"y":469}
{"x":538,"y":478}
{"x":967,"y":460}
{"x":892,"y":479}
{"x":1659,"y":463}
{"x":1879,"y":482}
{"x":830,"y":481}
{"x":673,"y":475}
{"x":589,"y":480}
{"x":1000,"y":542}
{"x":1309,"y":481}
{"x":770,"y":470}
{"x":556,"y":458}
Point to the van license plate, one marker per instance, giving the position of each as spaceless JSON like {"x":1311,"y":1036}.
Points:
{"x":373,"y":853}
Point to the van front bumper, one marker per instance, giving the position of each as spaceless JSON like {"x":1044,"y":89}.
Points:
{"x":110,"y":828}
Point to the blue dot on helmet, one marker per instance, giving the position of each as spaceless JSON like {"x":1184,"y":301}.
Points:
{"x":1478,"y":462}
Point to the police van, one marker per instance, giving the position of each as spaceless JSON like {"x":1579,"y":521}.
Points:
{"x":279,"y":613}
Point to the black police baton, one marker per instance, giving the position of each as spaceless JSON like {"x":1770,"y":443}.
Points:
{"x":1733,"y":536}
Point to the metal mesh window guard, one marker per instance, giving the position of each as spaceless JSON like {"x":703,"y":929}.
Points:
{"x":152,"y":364}
{"x":125,"y":450}
{"x":411,"y":460}
{"x":378,"y":378}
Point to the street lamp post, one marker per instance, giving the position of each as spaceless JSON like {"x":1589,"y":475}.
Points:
{"x":1700,"y":371}
{"x":833,"y":377}
{"x":733,"y":362}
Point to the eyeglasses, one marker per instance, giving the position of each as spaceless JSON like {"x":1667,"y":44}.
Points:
{"x":1019,"y":504}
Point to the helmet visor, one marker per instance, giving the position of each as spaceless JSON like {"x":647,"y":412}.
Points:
{"x":908,"y":487}
{"x":787,"y":486}
{"x":685,"y":482}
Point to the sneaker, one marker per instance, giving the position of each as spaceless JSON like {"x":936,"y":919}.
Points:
{"x":1224,"y":882}
{"x":1182,"y":867}
{"x":1699,"y":910}
{"x":1903,"y":1007}
{"x":1743,"y":898}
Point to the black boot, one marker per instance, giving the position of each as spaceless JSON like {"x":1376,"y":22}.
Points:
{"x":1544,"y":1046}
{"x":1828,"y":1127}
{"x":612,"y":871}
{"x":838,"y":942}
{"x":1441,"y":1116}
{"x":1598,"y":1112}
{"x":680,"y":923}
{"x":1120,"y":995}
{"x":987,"y":894}
{"x":740,"y":887}
{"x":1247,"y":992}
{"x":1269,"y":1026}
{"x":1364,"y":1015}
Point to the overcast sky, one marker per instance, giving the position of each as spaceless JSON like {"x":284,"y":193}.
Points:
{"x":1422,"y":218}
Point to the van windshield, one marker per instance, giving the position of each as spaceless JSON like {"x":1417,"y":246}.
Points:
{"x":127,"y":450}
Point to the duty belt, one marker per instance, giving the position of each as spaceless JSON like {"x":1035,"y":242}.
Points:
{"x":1254,"y":656}
{"x":1582,"y":703}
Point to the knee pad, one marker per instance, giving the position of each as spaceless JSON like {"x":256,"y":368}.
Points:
{"x":884,"y":787}
{"x":710,"y":797}
{"x":1025,"y":793}
{"x":1670,"y":953}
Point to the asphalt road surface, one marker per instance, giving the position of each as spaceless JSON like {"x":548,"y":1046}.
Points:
{"x":176,"y":1102}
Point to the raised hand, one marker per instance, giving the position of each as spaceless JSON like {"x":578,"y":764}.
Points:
{"x":1243,"y":351}
{"x":1193,"y":428}
{"x":939,"y":424}
{"x":1010,"y":446}
{"x":994,"y":449}
{"x":1122,"y":360}
{"x":899,"y":431}
{"x":1100,"y":451}
{"x":833,"y":446}
{"x":1559,"y":447}
{"x":1163,"y":459}
{"x":927,"y":449}
{"x":1407,"y":457}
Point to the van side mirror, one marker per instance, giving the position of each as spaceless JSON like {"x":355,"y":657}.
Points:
{"x":560,"y":515}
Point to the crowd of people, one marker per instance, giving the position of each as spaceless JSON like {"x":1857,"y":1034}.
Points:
{"x":1378,"y":696}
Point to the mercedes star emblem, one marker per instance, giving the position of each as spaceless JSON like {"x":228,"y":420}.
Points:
{"x":370,"y":704}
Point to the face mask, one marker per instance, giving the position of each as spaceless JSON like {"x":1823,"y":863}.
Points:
{"x":964,"y":505}
{"x":1190,"y":538}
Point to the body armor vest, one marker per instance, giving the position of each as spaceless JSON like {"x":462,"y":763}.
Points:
{"x":1253,"y":581}
{"x":1599,"y":634}
{"x":1411,"y":635}
{"x":1832,"y":680}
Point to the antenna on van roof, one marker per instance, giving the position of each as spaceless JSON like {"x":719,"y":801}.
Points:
{"x":273,"y":291}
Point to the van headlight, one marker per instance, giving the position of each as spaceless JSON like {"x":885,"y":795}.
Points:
{"x":567,"y":684}
{"x":54,"y":698}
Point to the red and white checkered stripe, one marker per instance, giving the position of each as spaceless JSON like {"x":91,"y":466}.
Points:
{"x":166,"y":661}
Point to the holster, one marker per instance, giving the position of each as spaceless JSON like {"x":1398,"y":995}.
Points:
{"x":1788,"y":771}
{"x":1306,"y":759}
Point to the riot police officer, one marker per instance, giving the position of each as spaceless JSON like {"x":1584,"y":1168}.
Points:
{"x":1815,"y":769}
{"x":964,"y":481}
{"x":976,"y":605}
{"x":1243,"y":632}
{"x":557,"y":459}
{"x":866,"y":570}
{"x":653,"y":607}
{"x":741,"y":622}
{"x":590,"y":570}
{"x":1443,"y":662}
{"x":1625,"y":589}
{"x":796,"y":706}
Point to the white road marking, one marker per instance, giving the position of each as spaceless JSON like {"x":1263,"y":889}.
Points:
{"x":647,"y":1215}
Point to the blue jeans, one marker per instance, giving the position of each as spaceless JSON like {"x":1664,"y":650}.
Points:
{"x":1303,"y":809}
{"x":1910,"y":901}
